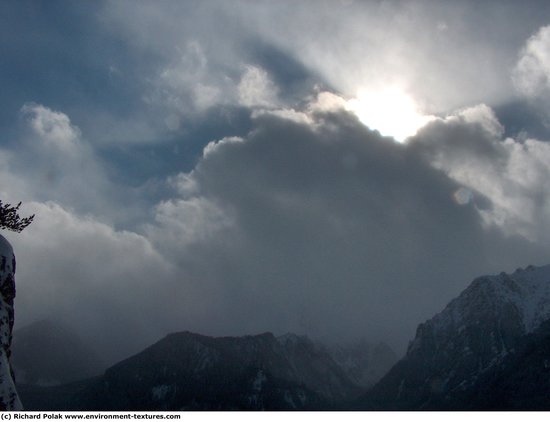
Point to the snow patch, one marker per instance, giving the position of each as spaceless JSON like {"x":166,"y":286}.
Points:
{"x":159,"y":392}
{"x":527,"y":291}
{"x":259,"y":381}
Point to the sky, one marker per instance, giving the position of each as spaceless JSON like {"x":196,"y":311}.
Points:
{"x":341,"y":169}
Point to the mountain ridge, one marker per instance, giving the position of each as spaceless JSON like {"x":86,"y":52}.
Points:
{"x":474,"y":333}
{"x":189,"y":371}
{"x":487,"y":349}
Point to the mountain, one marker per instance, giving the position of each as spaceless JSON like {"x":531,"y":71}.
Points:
{"x":473,"y":340}
{"x":9,"y":398}
{"x":47,"y":353}
{"x":488,"y":349}
{"x":521,"y":381}
{"x":363,"y":362}
{"x":186,"y":371}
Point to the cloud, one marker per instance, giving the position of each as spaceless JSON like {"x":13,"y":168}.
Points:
{"x":182,"y":222}
{"x":256,"y":89}
{"x":247,"y":206}
{"x":469,"y":146}
{"x":445,"y":56}
{"x":102,"y":282}
{"x":320,"y":225}
{"x":54,"y":128}
{"x":310,"y":222}
{"x":531,"y":75}
{"x":187,"y":84}
{"x":51,"y":160}
{"x":56,"y":163}
{"x":192,"y":85}
{"x":370,"y":46}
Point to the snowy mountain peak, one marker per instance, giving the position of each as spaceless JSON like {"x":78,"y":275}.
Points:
{"x":532,"y":296}
{"x":483,"y":327}
{"x":523,"y":296}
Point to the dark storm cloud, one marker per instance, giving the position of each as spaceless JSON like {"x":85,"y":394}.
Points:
{"x":325,"y":228}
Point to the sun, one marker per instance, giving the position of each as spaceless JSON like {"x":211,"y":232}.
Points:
{"x":390,"y":111}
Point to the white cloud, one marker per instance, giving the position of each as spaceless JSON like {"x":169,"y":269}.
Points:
{"x":184,"y":184}
{"x":512,"y":174}
{"x":286,"y":114}
{"x":52,"y":127}
{"x":256,"y":89}
{"x":192,"y":85}
{"x":444,"y":61}
{"x":188,"y":84}
{"x":214,"y":145}
{"x":531,"y":75}
{"x":103,"y":282}
{"x":445,"y":56}
{"x":481,"y":115}
{"x":52,"y":161}
{"x":185,"y":221}
{"x":326,"y":102}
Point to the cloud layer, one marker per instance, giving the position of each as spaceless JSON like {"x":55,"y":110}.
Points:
{"x":198,"y":166}
{"x":314,"y":224}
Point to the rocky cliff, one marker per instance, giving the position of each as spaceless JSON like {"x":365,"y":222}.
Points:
{"x":469,"y":343}
{"x":9,"y":399}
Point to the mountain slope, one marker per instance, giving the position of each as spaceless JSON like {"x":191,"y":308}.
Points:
{"x":364,"y":363}
{"x":474,"y":334}
{"x":187,"y":371}
{"x":521,"y":381}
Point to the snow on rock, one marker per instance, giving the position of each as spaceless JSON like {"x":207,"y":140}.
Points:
{"x":160,"y":392}
{"x":259,"y":381}
{"x":9,"y":399}
{"x":473,"y":335}
{"x":483,"y":325}
{"x":524,"y":294}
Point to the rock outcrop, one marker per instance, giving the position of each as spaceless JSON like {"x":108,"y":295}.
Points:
{"x":9,"y":399}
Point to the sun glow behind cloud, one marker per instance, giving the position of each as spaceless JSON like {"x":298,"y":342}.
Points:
{"x":390,"y":111}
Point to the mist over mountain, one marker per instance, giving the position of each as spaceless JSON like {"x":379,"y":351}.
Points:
{"x":363,"y":362}
{"x":487,"y":349}
{"x":48,"y":353}
{"x":186,"y":371}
